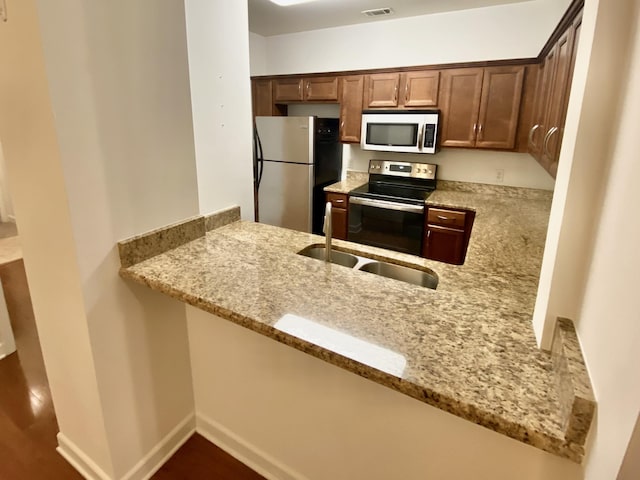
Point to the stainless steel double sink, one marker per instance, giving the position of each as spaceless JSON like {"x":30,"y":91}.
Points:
{"x":423,"y":278}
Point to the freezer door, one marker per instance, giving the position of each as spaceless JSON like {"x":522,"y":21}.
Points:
{"x":284,"y":197}
{"x":286,"y":139}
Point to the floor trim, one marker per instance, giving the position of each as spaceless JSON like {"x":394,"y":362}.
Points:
{"x":79,"y":460}
{"x":158,"y":456}
{"x":242,"y":450}
{"x":145,"y":468}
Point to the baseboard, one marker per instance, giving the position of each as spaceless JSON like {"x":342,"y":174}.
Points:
{"x":244,"y":451}
{"x":144,"y":469}
{"x":78,"y":460}
{"x":157,"y":457}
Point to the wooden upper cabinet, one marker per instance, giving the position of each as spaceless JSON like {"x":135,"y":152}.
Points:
{"x":314,"y":89}
{"x":459,"y":102}
{"x":262,"y":98}
{"x":481,"y":106}
{"x":351,"y":98}
{"x":420,"y":88}
{"x":552,"y":97}
{"x":288,"y":90}
{"x":499,"y":107}
{"x":321,"y":89}
{"x":538,"y":130}
{"x":567,"y":48}
{"x":382,"y":90}
{"x":413,"y":89}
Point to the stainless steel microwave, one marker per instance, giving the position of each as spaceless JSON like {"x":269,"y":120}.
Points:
{"x":408,"y":131}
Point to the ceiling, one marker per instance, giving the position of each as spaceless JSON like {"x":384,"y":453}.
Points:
{"x":267,"y":18}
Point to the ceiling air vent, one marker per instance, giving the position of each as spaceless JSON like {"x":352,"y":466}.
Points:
{"x":378,"y":12}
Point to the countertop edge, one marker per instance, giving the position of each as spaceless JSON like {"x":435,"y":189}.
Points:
{"x":516,"y":431}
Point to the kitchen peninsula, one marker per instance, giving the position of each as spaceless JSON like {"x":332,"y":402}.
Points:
{"x":468,"y":346}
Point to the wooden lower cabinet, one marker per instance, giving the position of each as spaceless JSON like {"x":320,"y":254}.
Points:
{"x":447,"y":233}
{"x":339,"y":220}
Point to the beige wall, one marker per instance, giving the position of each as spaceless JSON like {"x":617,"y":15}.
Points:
{"x":41,"y":204}
{"x":221,"y":99}
{"x":119,"y":82}
{"x":292,"y":416}
{"x":608,"y":320}
{"x":100,"y":147}
{"x":593,"y":108}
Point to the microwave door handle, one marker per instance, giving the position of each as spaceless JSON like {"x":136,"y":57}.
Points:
{"x":421,"y":135}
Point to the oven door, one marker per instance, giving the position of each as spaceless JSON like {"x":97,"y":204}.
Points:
{"x":381,"y":223}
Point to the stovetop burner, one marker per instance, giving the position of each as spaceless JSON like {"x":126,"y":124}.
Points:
{"x":395,"y":192}
{"x":398,"y":181}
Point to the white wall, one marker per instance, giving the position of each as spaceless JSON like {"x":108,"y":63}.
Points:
{"x":258,"y":49}
{"x":294,"y":416}
{"x":608,"y":322}
{"x":107,"y":155}
{"x":221,"y":99}
{"x":491,"y":33}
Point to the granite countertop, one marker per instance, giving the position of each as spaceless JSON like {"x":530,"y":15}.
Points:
{"x":346,"y":185}
{"x":469,"y":346}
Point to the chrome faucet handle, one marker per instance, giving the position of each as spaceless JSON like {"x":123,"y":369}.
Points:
{"x":326,"y":228}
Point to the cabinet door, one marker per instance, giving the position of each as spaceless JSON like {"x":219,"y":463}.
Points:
{"x":460,"y":102}
{"x":351,"y":91}
{"x":551,"y":143}
{"x":339,"y":223}
{"x":499,"y":107}
{"x":539,"y":127}
{"x":262,"y":98}
{"x":555,"y":142}
{"x":287,"y":90}
{"x":421,"y":88}
{"x":444,"y":244}
{"x":321,"y":88}
{"x":383,"y":90}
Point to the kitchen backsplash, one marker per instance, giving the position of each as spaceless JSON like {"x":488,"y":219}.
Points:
{"x":462,"y":165}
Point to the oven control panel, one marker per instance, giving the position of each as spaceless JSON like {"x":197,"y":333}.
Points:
{"x":403,"y":169}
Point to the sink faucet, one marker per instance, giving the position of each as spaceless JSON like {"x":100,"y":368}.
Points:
{"x":327,"y":232}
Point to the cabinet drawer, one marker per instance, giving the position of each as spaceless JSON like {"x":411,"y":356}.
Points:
{"x":338,"y":200}
{"x":446,"y":218}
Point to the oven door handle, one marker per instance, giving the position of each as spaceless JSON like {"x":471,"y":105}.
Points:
{"x":401,"y":207}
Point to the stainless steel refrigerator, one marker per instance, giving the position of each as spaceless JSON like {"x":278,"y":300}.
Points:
{"x":295,"y":158}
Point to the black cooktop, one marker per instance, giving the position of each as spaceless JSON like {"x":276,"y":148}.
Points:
{"x":393,"y":192}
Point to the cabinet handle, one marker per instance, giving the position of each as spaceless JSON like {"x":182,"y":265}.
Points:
{"x":442,"y":217}
{"x":475,"y":127}
{"x":395,"y":95}
{"x":299,"y":88}
{"x":342,"y":124}
{"x":547,"y":137}
{"x":406,"y":92}
{"x":532,"y":131}
{"x":308,"y":87}
{"x":339,"y":201}
{"x":479,"y":128}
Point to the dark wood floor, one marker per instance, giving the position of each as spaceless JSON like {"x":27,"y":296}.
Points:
{"x":200,"y":459}
{"x":28,"y":425}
